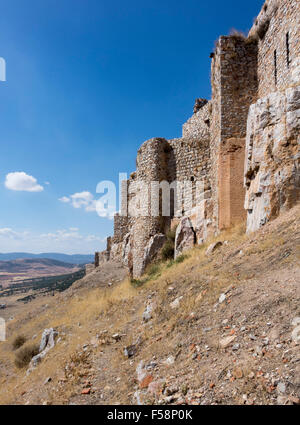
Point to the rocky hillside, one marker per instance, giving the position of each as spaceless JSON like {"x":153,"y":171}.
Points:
{"x":219,"y":326}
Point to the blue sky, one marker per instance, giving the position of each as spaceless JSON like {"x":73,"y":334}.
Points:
{"x":87,"y":82}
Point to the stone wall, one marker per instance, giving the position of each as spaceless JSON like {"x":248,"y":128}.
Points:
{"x":189,"y":161}
{"x":151,"y":166}
{"x":120,"y":228}
{"x":234,"y":87}
{"x":89,"y":268}
{"x":277,"y":30}
{"x":231,"y":189}
{"x":215,"y":133}
{"x":198,"y":125}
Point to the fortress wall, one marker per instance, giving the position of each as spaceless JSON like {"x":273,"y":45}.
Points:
{"x":277,"y":19}
{"x":151,"y":166}
{"x":121,"y":226}
{"x":215,"y":134}
{"x":189,"y":161}
{"x":198,"y":125}
{"x":234,"y":88}
{"x":231,"y":190}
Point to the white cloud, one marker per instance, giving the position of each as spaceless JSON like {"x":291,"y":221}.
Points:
{"x":86,"y":200}
{"x":22,"y":182}
{"x":62,"y":240}
{"x":7,"y":232}
{"x":82,"y":199}
{"x":63,"y":235}
{"x":64,"y":199}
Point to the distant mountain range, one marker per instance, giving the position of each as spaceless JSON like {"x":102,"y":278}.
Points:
{"x":71,"y":259}
{"x":14,"y":271}
{"x":25,"y":264}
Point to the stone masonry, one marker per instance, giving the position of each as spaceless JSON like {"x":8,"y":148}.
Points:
{"x":238,"y":160}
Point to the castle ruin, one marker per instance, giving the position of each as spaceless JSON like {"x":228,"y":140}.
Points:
{"x":242,"y":145}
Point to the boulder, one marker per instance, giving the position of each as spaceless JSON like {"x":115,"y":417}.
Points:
{"x":272,"y":177}
{"x":116,"y":251}
{"x":185,"y":236}
{"x":176,"y":302}
{"x":155,"y":243}
{"x":147,"y":315}
{"x":226,"y":341}
{"x":141,"y":371}
{"x":127,"y":251}
{"x":212,"y":247}
{"x":48,"y":339}
{"x":47,"y":343}
{"x":131,"y":350}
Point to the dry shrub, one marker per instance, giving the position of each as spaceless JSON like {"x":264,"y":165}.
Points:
{"x":167,"y":251}
{"x":263,"y":27}
{"x":18,"y":342}
{"x":178,"y":260}
{"x":25,"y":354}
{"x":153,"y":270}
{"x":171,"y":234}
{"x":136,"y":283}
{"x":238,"y":35}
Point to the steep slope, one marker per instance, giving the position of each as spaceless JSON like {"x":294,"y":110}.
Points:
{"x":220,"y":329}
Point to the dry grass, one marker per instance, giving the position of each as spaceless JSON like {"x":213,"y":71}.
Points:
{"x":18,"y":342}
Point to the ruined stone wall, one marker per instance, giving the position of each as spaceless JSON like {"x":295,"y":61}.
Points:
{"x":234,"y":88}
{"x":89,"y":268}
{"x":215,"y":134}
{"x":189,"y":161}
{"x":183,"y":160}
{"x":231,"y":190}
{"x":121,"y":227}
{"x":198,"y":125}
{"x":277,"y":31}
{"x":101,"y":257}
{"x":151,"y":166}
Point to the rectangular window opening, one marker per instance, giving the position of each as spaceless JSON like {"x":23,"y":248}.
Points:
{"x":288,"y":49}
{"x":275,"y":67}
